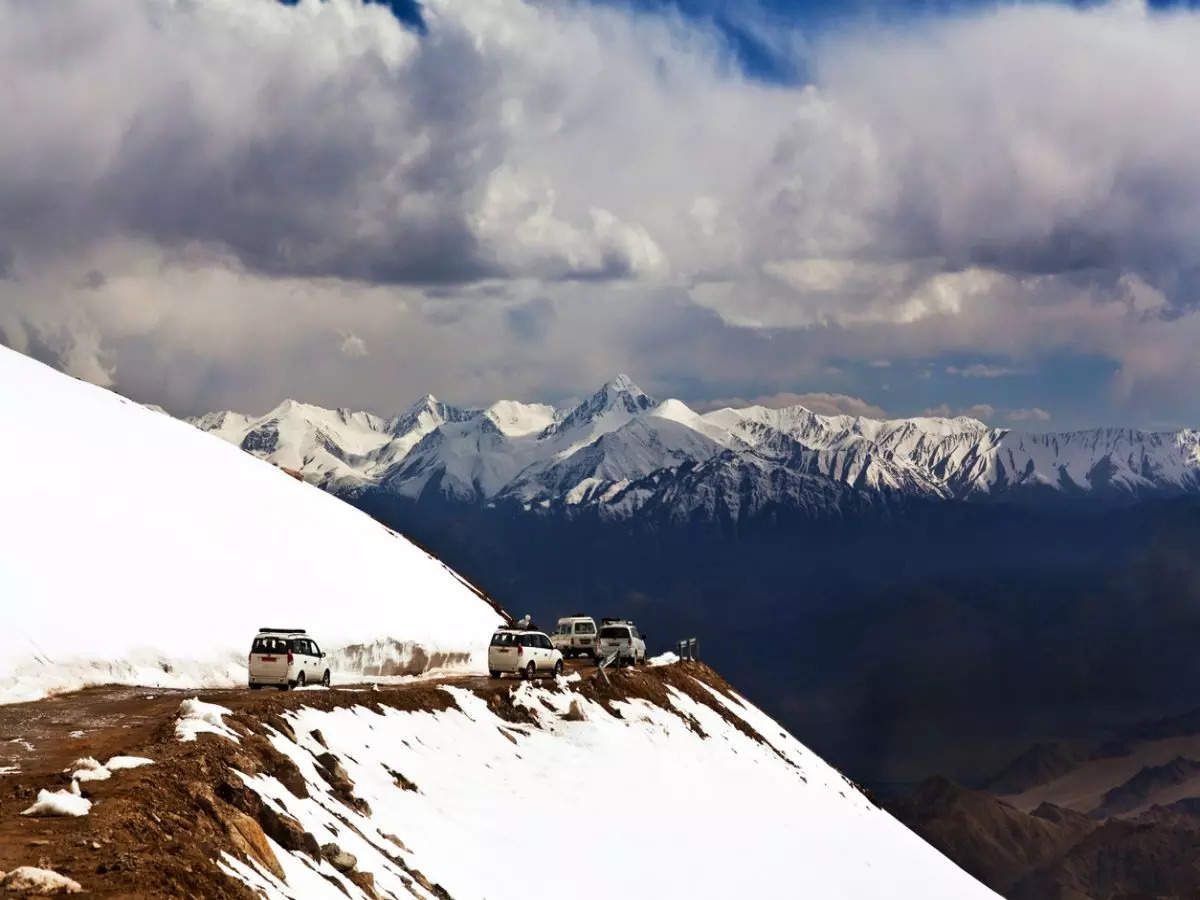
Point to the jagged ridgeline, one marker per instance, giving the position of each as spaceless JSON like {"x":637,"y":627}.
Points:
{"x":620,"y":454}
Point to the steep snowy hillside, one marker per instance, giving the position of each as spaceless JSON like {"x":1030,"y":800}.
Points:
{"x":134,"y":549}
{"x":619,"y":450}
{"x":659,"y":781}
{"x":665,"y":785}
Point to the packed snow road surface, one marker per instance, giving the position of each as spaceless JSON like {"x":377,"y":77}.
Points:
{"x":436,"y":788}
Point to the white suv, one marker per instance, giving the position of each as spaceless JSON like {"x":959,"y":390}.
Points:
{"x":286,"y":658}
{"x":525,"y":653}
{"x":575,"y":636}
{"x":621,"y":637}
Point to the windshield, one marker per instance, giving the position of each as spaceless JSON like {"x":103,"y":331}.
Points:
{"x":504,"y":639}
{"x":585,"y":628}
{"x":269,"y":645}
{"x":615,"y":632}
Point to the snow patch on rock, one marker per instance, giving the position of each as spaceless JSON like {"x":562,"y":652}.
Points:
{"x":32,"y":880}
{"x":197,"y":717}
{"x":60,"y":803}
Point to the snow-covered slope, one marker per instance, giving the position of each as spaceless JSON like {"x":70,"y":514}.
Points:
{"x":619,"y":451}
{"x":665,"y":785}
{"x":135,"y":549}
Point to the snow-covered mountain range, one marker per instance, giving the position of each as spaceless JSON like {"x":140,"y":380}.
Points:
{"x":620,"y":452}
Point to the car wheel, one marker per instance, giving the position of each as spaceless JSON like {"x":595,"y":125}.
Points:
{"x":531,"y":671}
{"x":255,"y":687}
{"x":493,"y":673}
{"x":558,"y":667}
{"x":325,"y":678}
{"x":300,"y":680}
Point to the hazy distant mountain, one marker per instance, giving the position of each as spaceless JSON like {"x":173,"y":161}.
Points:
{"x":619,"y":453}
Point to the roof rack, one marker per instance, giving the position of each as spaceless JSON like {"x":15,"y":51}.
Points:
{"x":614,"y":620}
{"x":284,"y":630}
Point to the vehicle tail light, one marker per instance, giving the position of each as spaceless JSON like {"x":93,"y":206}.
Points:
{"x":289,"y":657}
{"x":520,"y":651}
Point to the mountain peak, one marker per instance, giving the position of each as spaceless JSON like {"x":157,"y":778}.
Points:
{"x":427,"y":402}
{"x":284,"y":409}
{"x":623,"y":384}
{"x":428,"y":413}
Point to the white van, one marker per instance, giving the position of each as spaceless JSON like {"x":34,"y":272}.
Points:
{"x":575,"y":636}
{"x":621,"y":637}
{"x":286,"y":658}
{"x":525,"y":653}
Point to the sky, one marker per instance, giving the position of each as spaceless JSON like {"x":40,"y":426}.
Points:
{"x":892,"y":208}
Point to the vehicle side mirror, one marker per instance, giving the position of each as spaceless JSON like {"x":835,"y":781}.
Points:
{"x":321,"y":654}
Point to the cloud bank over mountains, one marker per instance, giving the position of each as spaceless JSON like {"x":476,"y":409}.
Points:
{"x":215,"y":204}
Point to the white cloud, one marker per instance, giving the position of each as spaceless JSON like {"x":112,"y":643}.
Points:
{"x":1017,"y":183}
{"x":1034,"y":414}
{"x":984,"y":412}
{"x":820,"y":402}
{"x":353,"y":346}
{"x":983,"y":370}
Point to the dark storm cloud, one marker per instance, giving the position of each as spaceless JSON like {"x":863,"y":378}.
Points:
{"x":530,"y":321}
{"x":529,"y":194}
{"x":221,"y":132}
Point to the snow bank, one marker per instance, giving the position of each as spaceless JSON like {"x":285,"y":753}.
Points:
{"x":127,"y":762}
{"x":197,"y":717}
{"x":185,"y":545}
{"x":663,"y":659}
{"x":683,"y":803}
{"x":31,"y":880}
{"x":60,"y":803}
{"x":89,"y":769}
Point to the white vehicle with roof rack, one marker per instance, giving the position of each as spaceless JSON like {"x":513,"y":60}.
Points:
{"x":286,"y":658}
{"x":620,"y":637}
{"x":575,"y":636}
{"x":524,"y":652}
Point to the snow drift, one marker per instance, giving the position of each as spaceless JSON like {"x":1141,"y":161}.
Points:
{"x":135,"y":549}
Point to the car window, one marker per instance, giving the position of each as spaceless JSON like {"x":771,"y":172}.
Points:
{"x":635,"y":632}
{"x":585,"y":628}
{"x":268,"y":645}
{"x":316,"y":651}
{"x":618,"y":632}
{"x":563,"y":628}
{"x":546,"y":645}
{"x":503,"y":639}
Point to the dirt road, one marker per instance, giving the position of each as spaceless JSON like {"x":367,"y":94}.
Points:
{"x":43,"y":737}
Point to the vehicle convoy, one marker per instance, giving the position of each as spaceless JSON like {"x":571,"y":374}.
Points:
{"x":286,"y":658}
{"x":620,"y":637}
{"x":575,"y":636}
{"x":523,"y":652}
